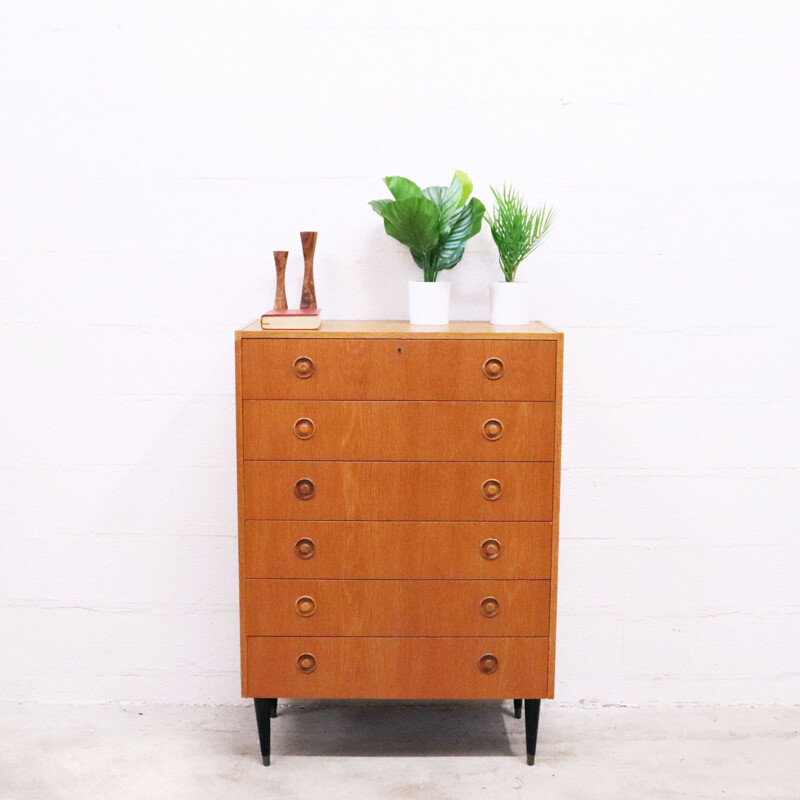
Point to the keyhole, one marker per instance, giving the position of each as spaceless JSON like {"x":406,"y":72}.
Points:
{"x":399,"y":351}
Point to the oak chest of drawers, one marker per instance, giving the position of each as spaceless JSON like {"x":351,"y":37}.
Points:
{"x":398,"y":513}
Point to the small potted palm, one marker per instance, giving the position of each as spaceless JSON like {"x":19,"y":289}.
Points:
{"x":517,"y":231}
{"x":434,"y":224}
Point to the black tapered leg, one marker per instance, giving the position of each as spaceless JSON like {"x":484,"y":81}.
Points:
{"x":518,"y":709}
{"x":263,"y":713}
{"x":531,"y":727}
{"x":273,"y":707}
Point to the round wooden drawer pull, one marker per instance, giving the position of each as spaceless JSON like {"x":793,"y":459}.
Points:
{"x":492,"y":429}
{"x":304,"y":489}
{"x":305,"y":548}
{"x":493,"y":368}
{"x":306,"y":662}
{"x":490,"y":549}
{"x":490,"y":606}
{"x":492,"y":489}
{"x":304,"y":428}
{"x":303,"y":367}
{"x":305,"y":606}
{"x":487,"y":663}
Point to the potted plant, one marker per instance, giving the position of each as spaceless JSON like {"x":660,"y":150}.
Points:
{"x":434,"y":224}
{"x":517,"y":231}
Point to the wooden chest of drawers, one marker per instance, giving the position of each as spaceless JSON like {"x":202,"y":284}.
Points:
{"x":398,"y":512}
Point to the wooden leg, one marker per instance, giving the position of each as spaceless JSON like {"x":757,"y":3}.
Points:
{"x":531,"y":727}
{"x":263,"y":713}
{"x":518,"y":709}
{"x":273,"y":708}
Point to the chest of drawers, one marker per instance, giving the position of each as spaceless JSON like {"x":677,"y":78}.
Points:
{"x":398,"y":513}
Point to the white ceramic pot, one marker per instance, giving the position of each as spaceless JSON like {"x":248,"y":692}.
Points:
{"x":428,"y":303}
{"x":511,"y":303}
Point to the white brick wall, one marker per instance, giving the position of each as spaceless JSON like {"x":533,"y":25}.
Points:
{"x":153,"y":153}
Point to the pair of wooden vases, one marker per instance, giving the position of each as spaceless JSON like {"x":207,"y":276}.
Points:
{"x":308,"y":297}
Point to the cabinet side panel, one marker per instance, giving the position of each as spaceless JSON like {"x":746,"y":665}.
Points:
{"x":551,"y":671}
{"x":240,"y":515}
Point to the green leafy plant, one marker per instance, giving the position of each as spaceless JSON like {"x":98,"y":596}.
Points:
{"x":434,"y":223}
{"x":516,"y":229}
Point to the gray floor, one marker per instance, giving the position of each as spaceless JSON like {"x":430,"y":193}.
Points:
{"x":375,"y":750}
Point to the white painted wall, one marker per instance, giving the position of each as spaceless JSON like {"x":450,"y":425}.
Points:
{"x":154,"y":152}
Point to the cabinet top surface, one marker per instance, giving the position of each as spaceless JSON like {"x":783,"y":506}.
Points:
{"x":401,"y":329}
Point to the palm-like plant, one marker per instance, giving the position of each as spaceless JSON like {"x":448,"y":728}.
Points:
{"x":434,"y":223}
{"x":516,"y":229}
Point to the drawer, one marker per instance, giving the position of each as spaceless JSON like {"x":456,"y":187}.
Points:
{"x":398,"y":431}
{"x":397,"y":608}
{"x":398,"y":369}
{"x":397,"y":549}
{"x":393,"y":668}
{"x":341,"y":490}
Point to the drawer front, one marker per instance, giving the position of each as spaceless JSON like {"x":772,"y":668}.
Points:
{"x":397,"y":608}
{"x":392,"y":668}
{"x":336,"y":490}
{"x":398,"y":431}
{"x":440,"y":550}
{"x":384,"y":369}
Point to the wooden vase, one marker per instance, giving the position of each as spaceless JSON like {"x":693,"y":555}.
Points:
{"x":308,"y":298}
{"x":280,"y":257}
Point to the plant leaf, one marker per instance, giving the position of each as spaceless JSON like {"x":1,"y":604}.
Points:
{"x":447,"y":198}
{"x":401,"y":188}
{"x":516,"y":229}
{"x":379,"y":205}
{"x":422,"y":260}
{"x":466,"y":186}
{"x":447,"y":208}
{"x":466,"y":224}
{"x":414,"y":222}
{"x":436,"y":193}
{"x":433,"y":223}
{"x":451,"y":199}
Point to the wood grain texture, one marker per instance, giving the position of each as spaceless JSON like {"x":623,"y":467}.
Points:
{"x":395,"y":490}
{"x":396,"y":668}
{"x":241,"y":517}
{"x":378,"y":369}
{"x":401,"y":329}
{"x":280,"y":257}
{"x":397,"y":608}
{"x":396,"y":431}
{"x":308,"y":296}
{"x":556,"y":517}
{"x":443,"y":550}
{"x":339,"y":546}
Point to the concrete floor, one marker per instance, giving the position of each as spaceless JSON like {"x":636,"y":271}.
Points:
{"x":430,"y":751}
